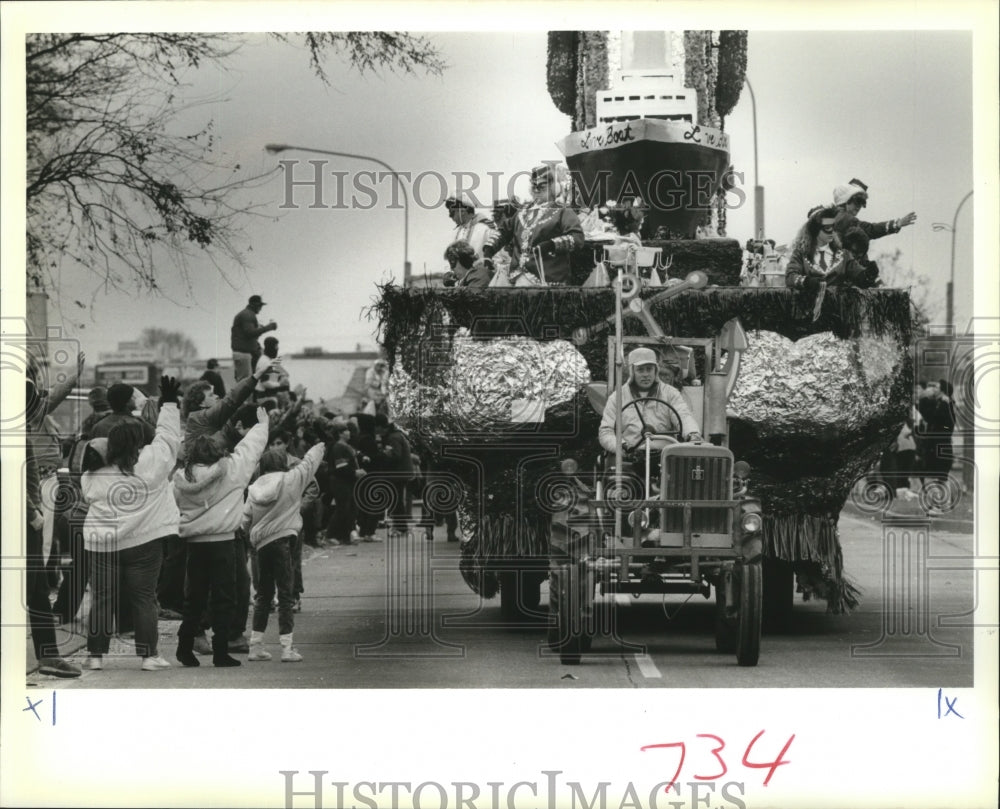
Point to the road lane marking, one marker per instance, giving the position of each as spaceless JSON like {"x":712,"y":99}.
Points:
{"x":648,"y":667}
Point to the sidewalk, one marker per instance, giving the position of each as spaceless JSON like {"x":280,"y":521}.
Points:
{"x":959,"y":520}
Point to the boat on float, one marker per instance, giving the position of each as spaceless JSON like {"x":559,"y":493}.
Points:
{"x":648,"y":143}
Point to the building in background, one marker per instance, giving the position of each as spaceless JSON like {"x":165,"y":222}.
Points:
{"x":336,"y":377}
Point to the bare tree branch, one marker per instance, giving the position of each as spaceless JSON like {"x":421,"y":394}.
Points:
{"x":115,"y":185}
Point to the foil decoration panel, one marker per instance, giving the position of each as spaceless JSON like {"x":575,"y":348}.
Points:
{"x":491,"y":384}
{"x":818,"y":383}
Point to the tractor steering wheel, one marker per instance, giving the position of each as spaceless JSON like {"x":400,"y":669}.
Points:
{"x":672,"y":434}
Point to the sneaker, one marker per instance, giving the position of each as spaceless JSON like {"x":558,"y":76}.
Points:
{"x":201,"y":645}
{"x":368,"y":538}
{"x":95,"y":663}
{"x":290,"y":655}
{"x":297,"y":606}
{"x":239,"y":645}
{"x":155,"y":663}
{"x":375,"y":538}
{"x":57,"y":667}
{"x":258,"y":652}
{"x":354,"y":536}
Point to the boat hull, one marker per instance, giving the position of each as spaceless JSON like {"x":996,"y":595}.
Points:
{"x":676,"y":167}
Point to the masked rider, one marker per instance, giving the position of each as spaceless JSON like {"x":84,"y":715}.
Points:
{"x":648,"y":416}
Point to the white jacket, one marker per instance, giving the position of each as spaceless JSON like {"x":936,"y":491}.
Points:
{"x":274,"y":500}
{"x":130,"y":510}
{"x":211,"y":505}
{"x":656,"y":416}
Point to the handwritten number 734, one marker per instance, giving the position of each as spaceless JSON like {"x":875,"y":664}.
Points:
{"x":770,"y":766}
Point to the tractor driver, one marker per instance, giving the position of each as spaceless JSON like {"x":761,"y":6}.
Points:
{"x":651,"y":416}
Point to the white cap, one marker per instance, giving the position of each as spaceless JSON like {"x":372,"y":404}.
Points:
{"x":642,"y":356}
{"x":460,"y":199}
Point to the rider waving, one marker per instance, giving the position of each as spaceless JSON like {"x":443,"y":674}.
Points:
{"x":658,"y":407}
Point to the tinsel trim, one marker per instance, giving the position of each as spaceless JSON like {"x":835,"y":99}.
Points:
{"x":732,"y":70}
{"x":408,"y":318}
{"x":561,"y":70}
{"x":813,"y":544}
{"x":711,"y":77}
{"x":696,"y":70}
{"x":591,"y":75}
{"x":494,"y":537}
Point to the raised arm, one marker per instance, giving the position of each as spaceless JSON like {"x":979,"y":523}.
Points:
{"x":303,"y":473}
{"x":58,"y":392}
{"x":246,"y":323}
{"x":250,"y":448}
{"x":223,"y":410}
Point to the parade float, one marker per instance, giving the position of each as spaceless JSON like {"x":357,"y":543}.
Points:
{"x":496,"y":386}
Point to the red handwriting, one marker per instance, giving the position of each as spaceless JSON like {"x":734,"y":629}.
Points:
{"x":716,"y":752}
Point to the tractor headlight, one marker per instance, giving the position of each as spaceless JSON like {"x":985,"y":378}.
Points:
{"x":643,"y":515}
{"x":751,"y":522}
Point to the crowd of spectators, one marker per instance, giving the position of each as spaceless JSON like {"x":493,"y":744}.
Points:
{"x":225,"y":487}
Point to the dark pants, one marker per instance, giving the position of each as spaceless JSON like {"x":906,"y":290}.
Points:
{"x":938,"y":458}
{"x":43,"y":632}
{"x":211,"y":566}
{"x":241,"y":610}
{"x":127,"y":577}
{"x":170,"y":589}
{"x":344,"y":512}
{"x":295,"y":551}
{"x":903,"y":466}
{"x":368,"y":523}
{"x":274,"y":569}
{"x":311,"y":515}
{"x":400,"y":515}
{"x":69,"y":528}
{"x":368,"y":519}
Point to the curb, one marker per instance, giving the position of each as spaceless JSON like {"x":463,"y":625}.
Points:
{"x":943,"y":523}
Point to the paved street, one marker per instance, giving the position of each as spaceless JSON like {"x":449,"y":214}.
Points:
{"x":368,"y":621}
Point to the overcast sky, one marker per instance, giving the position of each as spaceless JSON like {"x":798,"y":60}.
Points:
{"x":892,"y":108}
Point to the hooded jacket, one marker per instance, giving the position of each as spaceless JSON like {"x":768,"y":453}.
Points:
{"x":130,"y":510}
{"x":211,"y":505}
{"x":274,"y":500}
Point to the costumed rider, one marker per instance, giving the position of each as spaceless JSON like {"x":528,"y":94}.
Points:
{"x":818,"y":256}
{"x":850,"y":199}
{"x":647,"y":417}
{"x":471,"y":227}
{"x":541,"y":236}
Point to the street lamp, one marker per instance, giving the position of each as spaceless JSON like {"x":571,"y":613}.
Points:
{"x":278,"y":148}
{"x":950,"y":294}
{"x":758,"y":189}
